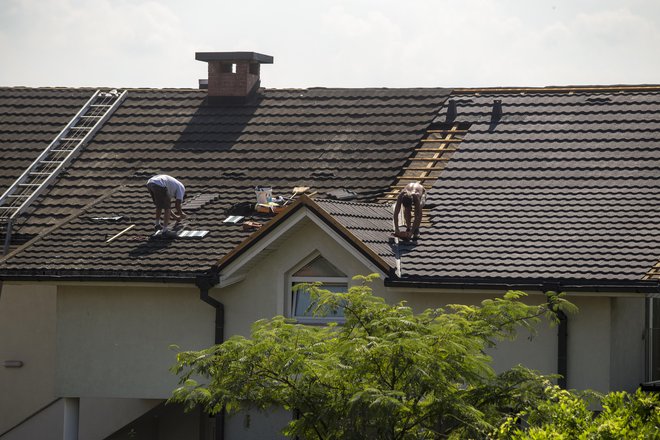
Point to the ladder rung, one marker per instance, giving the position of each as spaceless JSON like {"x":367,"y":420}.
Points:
{"x":70,"y":139}
{"x":20,"y":196}
{"x":101,"y":105}
{"x":89,"y":116}
{"x":38,"y":173}
{"x":51,"y":161}
{"x":62,"y":151}
{"x":81,"y":128}
{"x":29,"y":184}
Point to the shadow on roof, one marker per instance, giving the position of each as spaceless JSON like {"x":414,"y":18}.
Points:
{"x":151,"y":246}
{"x":216,"y":127}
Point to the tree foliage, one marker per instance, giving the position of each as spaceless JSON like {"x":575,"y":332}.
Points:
{"x":566,"y":415}
{"x":385,"y":373}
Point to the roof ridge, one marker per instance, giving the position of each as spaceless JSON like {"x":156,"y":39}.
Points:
{"x":558,"y":89}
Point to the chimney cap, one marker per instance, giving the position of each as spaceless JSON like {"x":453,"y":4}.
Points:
{"x":253,"y":57}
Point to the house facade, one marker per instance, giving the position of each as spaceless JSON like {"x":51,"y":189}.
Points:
{"x":549,"y":189}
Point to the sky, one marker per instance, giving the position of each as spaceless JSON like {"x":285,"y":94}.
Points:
{"x":332,"y":43}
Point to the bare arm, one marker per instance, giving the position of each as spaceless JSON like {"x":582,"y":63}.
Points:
{"x":180,"y":215}
{"x":418,"y":212}
{"x":397,"y":210}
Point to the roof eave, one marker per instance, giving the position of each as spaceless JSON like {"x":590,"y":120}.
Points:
{"x":540,"y":284}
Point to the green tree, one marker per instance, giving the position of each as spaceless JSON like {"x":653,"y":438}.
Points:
{"x":566,"y":415}
{"x":385,"y":373}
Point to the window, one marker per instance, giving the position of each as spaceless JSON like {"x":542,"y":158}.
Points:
{"x":317,"y":270}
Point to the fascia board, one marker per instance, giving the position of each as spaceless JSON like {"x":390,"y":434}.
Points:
{"x":236,"y":265}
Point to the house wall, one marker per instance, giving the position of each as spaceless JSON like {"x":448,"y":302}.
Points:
{"x":114,"y":341}
{"x":627,"y":330}
{"x":27,"y":333}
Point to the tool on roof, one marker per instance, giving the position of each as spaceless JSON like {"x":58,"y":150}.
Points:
{"x":297,"y":190}
{"x":250,"y":225}
{"x":57,"y":155}
{"x":120,"y":234}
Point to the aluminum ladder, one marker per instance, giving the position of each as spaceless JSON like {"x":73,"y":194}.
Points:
{"x":54,"y":159}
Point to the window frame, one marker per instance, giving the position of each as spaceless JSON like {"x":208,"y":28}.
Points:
{"x":293,"y":295}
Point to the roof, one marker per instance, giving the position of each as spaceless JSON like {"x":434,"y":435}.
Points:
{"x":564,"y":185}
{"x":326,"y":139}
{"x":556,"y":184}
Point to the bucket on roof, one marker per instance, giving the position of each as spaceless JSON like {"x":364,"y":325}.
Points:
{"x":264,"y":194}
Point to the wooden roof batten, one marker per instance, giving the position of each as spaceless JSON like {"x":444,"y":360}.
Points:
{"x":427,"y":161}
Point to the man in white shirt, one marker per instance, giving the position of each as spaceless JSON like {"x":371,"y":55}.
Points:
{"x":163,"y":189}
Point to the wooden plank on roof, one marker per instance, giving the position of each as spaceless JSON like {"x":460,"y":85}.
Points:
{"x":430,"y":159}
{"x":435,"y":150}
{"x":447,"y":131}
{"x":443,"y":140}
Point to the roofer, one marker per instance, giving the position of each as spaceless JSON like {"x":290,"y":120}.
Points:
{"x":163,"y":189}
{"x":412,"y":197}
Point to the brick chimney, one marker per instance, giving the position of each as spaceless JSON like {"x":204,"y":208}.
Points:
{"x":233,"y":76}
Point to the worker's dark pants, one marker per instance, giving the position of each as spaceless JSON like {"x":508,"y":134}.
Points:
{"x":159,"y":196}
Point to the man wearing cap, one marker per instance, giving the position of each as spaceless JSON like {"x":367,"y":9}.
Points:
{"x":163,"y":189}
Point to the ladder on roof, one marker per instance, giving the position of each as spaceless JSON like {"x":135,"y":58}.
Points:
{"x":58,"y":154}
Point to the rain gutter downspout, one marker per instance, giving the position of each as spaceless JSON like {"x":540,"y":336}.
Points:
{"x":205,"y":283}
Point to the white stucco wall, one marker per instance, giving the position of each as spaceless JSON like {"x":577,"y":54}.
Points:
{"x":627,"y":353}
{"x":27,"y":334}
{"x":114,"y":341}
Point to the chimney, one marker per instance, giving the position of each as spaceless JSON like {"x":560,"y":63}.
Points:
{"x":233,"y":76}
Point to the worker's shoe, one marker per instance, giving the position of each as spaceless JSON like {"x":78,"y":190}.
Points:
{"x":168,"y":233}
{"x":158,"y":227}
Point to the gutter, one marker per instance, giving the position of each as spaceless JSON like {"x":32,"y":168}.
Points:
{"x":102,"y":278}
{"x":205,"y":283}
{"x":557,"y":285}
